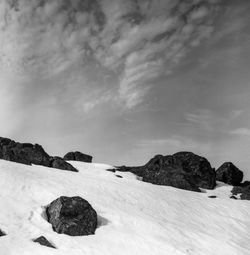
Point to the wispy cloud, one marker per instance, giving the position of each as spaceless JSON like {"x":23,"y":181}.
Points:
{"x":137,"y":40}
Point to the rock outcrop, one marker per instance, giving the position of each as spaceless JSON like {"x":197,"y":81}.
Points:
{"x":78,"y":156}
{"x":72,"y":216}
{"x":27,"y":153}
{"x":184,"y":170}
{"x":43,"y":241}
{"x":229,"y":173}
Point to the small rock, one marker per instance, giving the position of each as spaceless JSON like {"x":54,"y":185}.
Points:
{"x":2,"y":233}
{"x":57,"y":162}
{"x":72,"y":216}
{"x":233,"y":197}
{"x":43,"y":241}
{"x":212,"y":196}
{"x":119,"y":176}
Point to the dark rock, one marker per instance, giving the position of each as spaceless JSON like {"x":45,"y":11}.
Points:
{"x":72,"y":216}
{"x":2,"y":233}
{"x":57,"y":162}
{"x":243,"y":190}
{"x":184,"y":170}
{"x":24,"y":153}
{"x":233,"y":197}
{"x":212,"y":196}
{"x":27,"y":153}
{"x":78,"y":156}
{"x":197,"y":167}
{"x":43,"y":241}
{"x":119,"y":176}
{"x":229,"y":173}
{"x":111,"y":170}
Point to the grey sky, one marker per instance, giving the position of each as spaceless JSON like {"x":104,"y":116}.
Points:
{"x":124,"y":80}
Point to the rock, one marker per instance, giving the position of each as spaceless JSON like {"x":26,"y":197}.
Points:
{"x":233,"y":197}
{"x":184,"y":170}
{"x":2,"y":233}
{"x":27,"y":153}
{"x":229,"y":173}
{"x":57,"y":162}
{"x":43,"y":241}
{"x":197,"y":167}
{"x":24,"y":153}
{"x":119,"y":176}
{"x":212,"y":196}
{"x":78,"y":156}
{"x":111,"y":170}
{"x":243,"y":190}
{"x":72,"y":216}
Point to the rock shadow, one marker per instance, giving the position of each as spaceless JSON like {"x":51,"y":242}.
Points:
{"x":101,"y":221}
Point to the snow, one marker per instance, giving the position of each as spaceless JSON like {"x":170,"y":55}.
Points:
{"x":135,"y":218}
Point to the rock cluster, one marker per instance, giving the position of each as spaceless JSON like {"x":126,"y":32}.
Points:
{"x":184,"y":170}
{"x":73,"y":216}
{"x":27,"y":153}
{"x":78,"y":156}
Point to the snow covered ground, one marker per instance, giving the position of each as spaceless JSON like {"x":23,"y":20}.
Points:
{"x":134,"y":217}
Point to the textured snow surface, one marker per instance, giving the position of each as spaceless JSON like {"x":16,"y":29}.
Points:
{"x":134,"y":217}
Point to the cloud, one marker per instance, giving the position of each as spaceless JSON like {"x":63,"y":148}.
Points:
{"x":138,"y":41}
{"x":241,"y":132}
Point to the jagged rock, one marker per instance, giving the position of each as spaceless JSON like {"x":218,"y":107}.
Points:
{"x":43,"y":241}
{"x":57,"y":162}
{"x":243,"y":190}
{"x":78,"y":156}
{"x":24,"y":153}
{"x":184,"y":170}
{"x":72,"y":216}
{"x":229,"y":173}
{"x":27,"y":153}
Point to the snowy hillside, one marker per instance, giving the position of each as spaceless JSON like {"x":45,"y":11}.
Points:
{"x":134,"y":217}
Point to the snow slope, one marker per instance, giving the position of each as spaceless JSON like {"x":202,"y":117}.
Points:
{"x":134,"y":217}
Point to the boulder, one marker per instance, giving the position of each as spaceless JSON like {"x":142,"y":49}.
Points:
{"x":229,"y":173}
{"x":57,"y":162}
{"x":196,"y":167}
{"x":43,"y":241}
{"x":243,"y":190}
{"x":72,"y":216}
{"x":184,"y":170}
{"x":78,"y":156}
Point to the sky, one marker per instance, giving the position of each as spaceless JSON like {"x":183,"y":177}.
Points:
{"x":125,"y":80}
